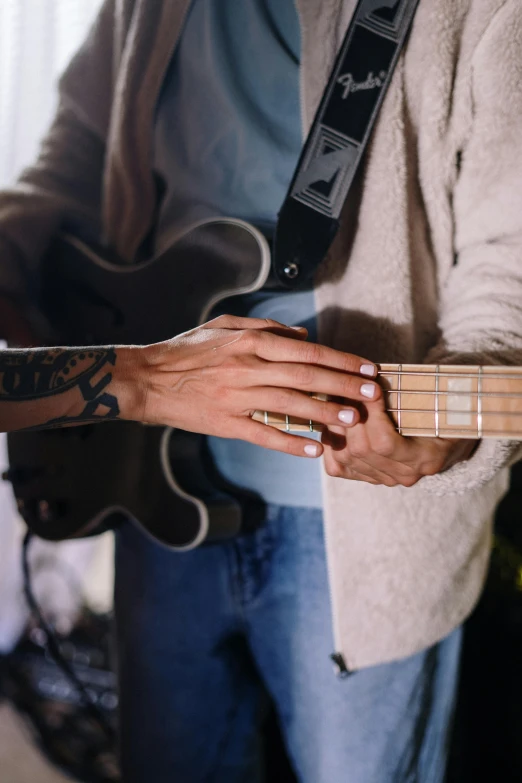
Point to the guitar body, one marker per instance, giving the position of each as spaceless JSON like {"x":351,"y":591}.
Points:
{"x":77,"y":481}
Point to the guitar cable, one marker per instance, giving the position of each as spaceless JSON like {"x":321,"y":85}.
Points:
{"x":53,"y":647}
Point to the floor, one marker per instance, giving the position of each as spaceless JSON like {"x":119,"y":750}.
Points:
{"x":20,"y":760}
{"x":67,"y":570}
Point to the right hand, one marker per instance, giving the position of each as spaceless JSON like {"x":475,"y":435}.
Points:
{"x":211,"y":380}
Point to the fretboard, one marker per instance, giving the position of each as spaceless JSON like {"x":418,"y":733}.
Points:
{"x":452,"y":401}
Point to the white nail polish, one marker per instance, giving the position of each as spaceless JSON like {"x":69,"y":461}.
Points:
{"x":346,"y":417}
{"x":311,"y":451}
{"x":368,"y":390}
{"x":367,"y":369}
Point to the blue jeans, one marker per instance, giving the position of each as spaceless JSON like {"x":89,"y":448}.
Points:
{"x":204,"y":636}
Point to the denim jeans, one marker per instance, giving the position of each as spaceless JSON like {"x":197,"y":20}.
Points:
{"x":204,"y":636}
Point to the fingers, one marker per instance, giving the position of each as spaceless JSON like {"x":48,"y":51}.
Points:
{"x":270,"y":438}
{"x":341,"y":465}
{"x":376,"y":453}
{"x":368,"y":452}
{"x":276,"y":349}
{"x":237,"y":323}
{"x":339,"y":470}
{"x":311,"y":378}
{"x":379,"y":439}
{"x":297,"y":405}
{"x":266,"y":339}
{"x":345,"y":456}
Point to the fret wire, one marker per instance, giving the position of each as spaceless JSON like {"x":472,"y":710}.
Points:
{"x":427,"y":411}
{"x":437,"y":380}
{"x":493,"y":376}
{"x":507,"y":395}
{"x":469,"y":434}
{"x":399,"y":400}
{"x":465,"y":433}
{"x":287,"y":419}
{"x":457,"y":432}
{"x":312,"y":424}
{"x":479,"y":404}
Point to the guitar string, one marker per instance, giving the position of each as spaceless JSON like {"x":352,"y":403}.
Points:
{"x":479,"y":405}
{"x":515,"y":376}
{"x":437,"y":414}
{"x":469,"y":411}
{"x":286,"y":422}
{"x":480,"y":412}
{"x":399,"y":399}
{"x":275,"y":419}
{"x":405,"y":392}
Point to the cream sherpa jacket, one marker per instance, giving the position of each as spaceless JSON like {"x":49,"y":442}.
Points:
{"x":428,"y":265}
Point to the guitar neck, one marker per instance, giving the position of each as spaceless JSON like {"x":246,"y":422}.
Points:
{"x":452,"y":401}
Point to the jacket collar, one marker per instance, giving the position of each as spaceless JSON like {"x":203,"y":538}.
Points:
{"x":323,"y":27}
{"x":151,"y":32}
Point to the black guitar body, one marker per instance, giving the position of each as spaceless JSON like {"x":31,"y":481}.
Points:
{"x":76,"y":481}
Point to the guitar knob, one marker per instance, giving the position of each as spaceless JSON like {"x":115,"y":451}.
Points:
{"x":41,"y":511}
{"x":291,"y":270}
{"x":45,"y":512}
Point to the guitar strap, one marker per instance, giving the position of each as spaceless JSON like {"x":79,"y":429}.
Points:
{"x":309,"y":218}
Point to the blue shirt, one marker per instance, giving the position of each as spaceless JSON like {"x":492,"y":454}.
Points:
{"x":227,"y":140}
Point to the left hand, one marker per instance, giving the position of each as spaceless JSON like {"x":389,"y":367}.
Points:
{"x":374,"y":452}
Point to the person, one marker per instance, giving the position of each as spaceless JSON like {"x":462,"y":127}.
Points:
{"x":171,"y":383}
{"x":176,"y":111}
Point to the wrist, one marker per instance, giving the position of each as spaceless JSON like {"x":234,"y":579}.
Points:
{"x":129,"y":383}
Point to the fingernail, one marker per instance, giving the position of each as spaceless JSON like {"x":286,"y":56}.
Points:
{"x":347,"y":417}
{"x":311,"y":451}
{"x":299,"y":328}
{"x":368,"y":390}
{"x":367,"y":369}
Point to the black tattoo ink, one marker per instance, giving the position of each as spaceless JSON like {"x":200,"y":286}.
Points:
{"x":90,"y":412}
{"x":33,"y":375}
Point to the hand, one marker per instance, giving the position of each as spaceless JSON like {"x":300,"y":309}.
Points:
{"x":213,"y":378}
{"x":373,"y":451}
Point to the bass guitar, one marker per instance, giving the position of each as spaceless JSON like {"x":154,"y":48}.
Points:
{"x":78,"y":481}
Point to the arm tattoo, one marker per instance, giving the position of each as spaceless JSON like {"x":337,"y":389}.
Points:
{"x":35,"y":374}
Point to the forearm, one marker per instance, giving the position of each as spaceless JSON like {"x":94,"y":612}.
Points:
{"x":50,"y":387}
{"x":210,"y":380}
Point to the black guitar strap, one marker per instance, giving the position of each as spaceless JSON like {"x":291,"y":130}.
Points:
{"x":309,"y":217}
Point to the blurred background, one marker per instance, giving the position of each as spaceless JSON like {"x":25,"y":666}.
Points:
{"x":37,"y":39}
{"x":40,"y":721}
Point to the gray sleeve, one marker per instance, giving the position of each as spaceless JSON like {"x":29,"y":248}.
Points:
{"x":481,"y":311}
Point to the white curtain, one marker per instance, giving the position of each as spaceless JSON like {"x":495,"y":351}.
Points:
{"x":37,"y":38}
